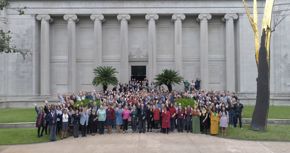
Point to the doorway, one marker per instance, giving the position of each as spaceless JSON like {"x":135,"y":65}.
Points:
{"x":138,"y":73}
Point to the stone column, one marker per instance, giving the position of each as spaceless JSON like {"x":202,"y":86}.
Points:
{"x":71,"y":33}
{"x":151,"y":48}
{"x":124,"y":62}
{"x":177,"y":18}
{"x":44,"y":54}
{"x":203,"y":18}
{"x":230,"y":51}
{"x":98,"y":19}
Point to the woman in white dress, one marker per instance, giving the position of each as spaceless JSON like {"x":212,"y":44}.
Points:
{"x":224,"y":120}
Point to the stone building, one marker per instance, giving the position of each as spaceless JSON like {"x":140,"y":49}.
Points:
{"x":63,"y":40}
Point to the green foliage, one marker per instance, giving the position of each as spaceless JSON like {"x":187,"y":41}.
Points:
{"x":3,"y":3}
{"x":185,"y":102}
{"x":5,"y":40}
{"x":87,"y":102}
{"x":168,"y":77}
{"x":105,"y":75}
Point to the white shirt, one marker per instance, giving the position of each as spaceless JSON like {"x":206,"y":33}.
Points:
{"x":64,"y":117}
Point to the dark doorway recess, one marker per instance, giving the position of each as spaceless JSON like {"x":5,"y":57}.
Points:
{"x":138,"y":73}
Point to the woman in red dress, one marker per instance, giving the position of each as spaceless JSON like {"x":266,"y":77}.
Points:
{"x":165,"y":120}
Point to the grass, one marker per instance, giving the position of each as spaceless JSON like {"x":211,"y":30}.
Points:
{"x":275,"y":112}
{"x":273,"y":133}
{"x":20,"y":136}
{"x":12,"y":115}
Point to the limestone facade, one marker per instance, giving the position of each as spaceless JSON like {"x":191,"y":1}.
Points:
{"x":65,"y":39}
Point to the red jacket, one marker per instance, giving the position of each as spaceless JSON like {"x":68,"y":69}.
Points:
{"x":172,"y":111}
{"x":156,"y":114}
{"x":110,"y":114}
{"x":165,"y":119}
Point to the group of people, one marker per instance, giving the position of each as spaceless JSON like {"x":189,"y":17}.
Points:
{"x":142,"y":109}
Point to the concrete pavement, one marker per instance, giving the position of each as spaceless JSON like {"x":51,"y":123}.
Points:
{"x":150,"y":143}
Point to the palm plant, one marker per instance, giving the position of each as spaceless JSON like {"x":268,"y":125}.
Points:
{"x":168,"y":77}
{"x":105,"y":75}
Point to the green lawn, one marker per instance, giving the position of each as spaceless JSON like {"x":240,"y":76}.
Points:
{"x":277,"y":112}
{"x":12,"y":115}
{"x":20,"y":136}
{"x":273,"y":133}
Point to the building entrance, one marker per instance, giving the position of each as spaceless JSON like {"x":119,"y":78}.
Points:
{"x":138,"y":73}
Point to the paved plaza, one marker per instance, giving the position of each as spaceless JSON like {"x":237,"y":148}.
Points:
{"x":151,"y":143}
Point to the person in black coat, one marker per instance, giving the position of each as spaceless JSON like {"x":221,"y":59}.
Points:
{"x":141,"y":118}
{"x":238,"y":109}
{"x":93,"y":122}
{"x":76,"y":123}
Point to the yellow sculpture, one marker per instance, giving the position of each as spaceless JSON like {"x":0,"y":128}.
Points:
{"x":266,"y":25}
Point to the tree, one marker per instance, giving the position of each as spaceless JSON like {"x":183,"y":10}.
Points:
{"x":168,"y":78}
{"x":262,"y":53}
{"x":5,"y":40}
{"x":105,"y":75}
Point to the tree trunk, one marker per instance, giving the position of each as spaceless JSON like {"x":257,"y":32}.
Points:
{"x":260,"y":115}
{"x":169,"y":86}
{"x":105,"y":87}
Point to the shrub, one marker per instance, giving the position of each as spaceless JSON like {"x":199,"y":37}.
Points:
{"x":185,"y":102}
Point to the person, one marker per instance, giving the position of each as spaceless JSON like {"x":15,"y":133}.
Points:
{"x":204,"y":121}
{"x":238,"y":108}
{"x":119,"y":119}
{"x":149,"y":117}
{"x":165,"y":120}
{"x":197,"y":84}
{"x":52,"y":119}
{"x":40,"y":121}
{"x":126,"y":114}
{"x":110,"y":118}
{"x":195,"y":120}
{"x":172,"y":111}
{"x":58,"y":119}
{"x":188,"y":119}
{"x":76,"y":123}
{"x":156,"y":117}
{"x":214,"y":121}
{"x":134,"y":118}
{"x":180,"y":118}
{"x":141,"y":118}
{"x":93,"y":122}
{"x":101,"y":113}
{"x":224,"y":120}
{"x":84,"y":121}
{"x":231,"y":114}
{"x":65,"y":121}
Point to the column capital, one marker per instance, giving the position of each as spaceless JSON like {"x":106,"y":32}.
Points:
{"x":230,"y":16}
{"x":70,"y":17}
{"x":151,"y":16}
{"x":204,"y":17}
{"x":99,"y":17}
{"x":176,"y":17}
{"x":45,"y":17}
{"x":121,"y":17}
